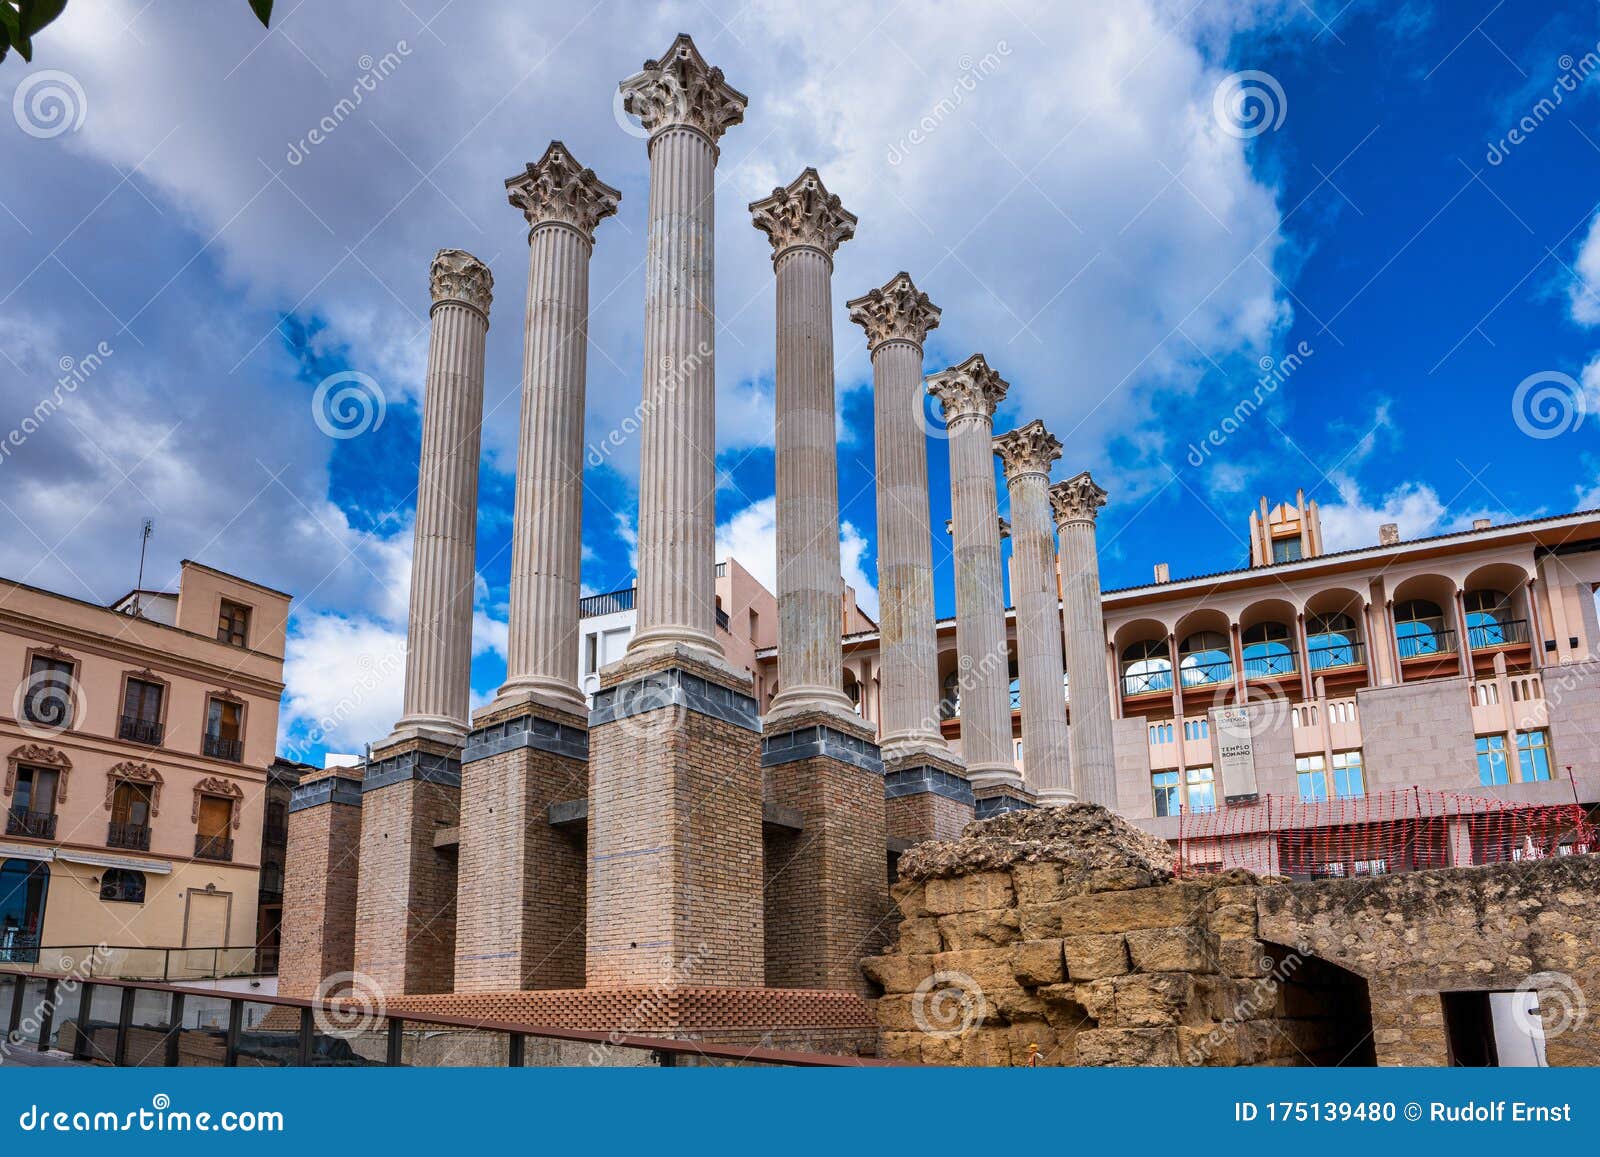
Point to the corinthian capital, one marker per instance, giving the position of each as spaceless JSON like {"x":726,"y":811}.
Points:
{"x":804,"y":213}
{"x":1078,"y":499}
{"x":558,"y":189}
{"x":682,"y":89}
{"x":457,"y":275}
{"x":971,"y":389}
{"x":898,"y":311}
{"x":1030,"y":449}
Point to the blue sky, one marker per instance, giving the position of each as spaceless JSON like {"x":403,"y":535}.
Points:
{"x":1064,"y":181}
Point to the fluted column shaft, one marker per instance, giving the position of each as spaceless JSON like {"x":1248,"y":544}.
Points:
{"x":1093,"y":753}
{"x":547,"y":542}
{"x":810,"y":662}
{"x":1046,"y":758}
{"x":980,"y":605}
{"x":908,"y":642}
{"x":439,"y":630}
{"x":677,"y":462}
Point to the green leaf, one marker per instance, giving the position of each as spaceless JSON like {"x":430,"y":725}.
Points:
{"x":262,"y":9}
{"x":10,"y":22}
{"x":37,"y":13}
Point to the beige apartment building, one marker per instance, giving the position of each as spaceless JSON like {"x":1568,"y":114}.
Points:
{"x":1464,"y":663}
{"x":137,"y":741}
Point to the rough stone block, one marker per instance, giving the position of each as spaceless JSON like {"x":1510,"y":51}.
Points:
{"x":1037,"y":962}
{"x":1169,"y":950}
{"x":1233,"y":920}
{"x":919,"y":937}
{"x":996,"y":928}
{"x":1038,"y":883}
{"x":1155,"y":1000}
{"x":978,"y":892}
{"x":1125,"y":911}
{"x":1116,"y":879}
{"x":1243,"y":957}
{"x":896,"y":973}
{"x":1094,"y":957}
{"x":989,"y":969}
{"x":910,"y":896}
{"x":1127,"y":1046}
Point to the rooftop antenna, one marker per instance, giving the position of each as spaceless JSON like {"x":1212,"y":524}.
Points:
{"x":145,"y":531}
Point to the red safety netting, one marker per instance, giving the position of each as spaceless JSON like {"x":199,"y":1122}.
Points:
{"x":1397,"y":831}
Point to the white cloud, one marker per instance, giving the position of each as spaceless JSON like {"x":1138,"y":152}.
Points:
{"x":853,"y":548}
{"x":1583,"y":292}
{"x":346,"y":680}
{"x":1414,"y":507}
{"x":751,"y":536}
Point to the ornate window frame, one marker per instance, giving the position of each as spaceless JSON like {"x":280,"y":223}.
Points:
{"x":145,"y":676}
{"x":227,"y":696}
{"x":131,"y":771}
{"x":215,"y":785}
{"x":50,"y":651}
{"x":39,"y":755}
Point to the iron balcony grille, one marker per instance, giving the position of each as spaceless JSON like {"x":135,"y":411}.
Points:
{"x":37,"y":825}
{"x":213,"y":848}
{"x":609,"y":603}
{"x":1269,"y":666}
{"x":136,"y":730}
{"x":1426,"y":641}
{"x":135,"y":837}
{"x":1501,"y":634}
{"x":220,"y":747}
{"x":1331,"y":655}
{"x":1204,"y":674}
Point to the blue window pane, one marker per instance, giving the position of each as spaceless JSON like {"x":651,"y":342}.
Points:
{"x":1313,"y":786}
{"x":1347,"y":782}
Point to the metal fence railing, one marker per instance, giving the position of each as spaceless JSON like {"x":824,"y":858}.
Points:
{"x":131,"y":1024}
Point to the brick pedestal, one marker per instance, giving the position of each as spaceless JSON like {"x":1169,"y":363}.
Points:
{"x":520,"y":893}
{"x":827,"y":881}
{"x":675,"y":854}
{"x":406,"y":903}
{"x":926,"y":799}
{"x":321,"y":868}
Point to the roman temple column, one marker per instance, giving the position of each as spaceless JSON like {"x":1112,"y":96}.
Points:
{"x":563,"y":202}
{"x":930,"y":797}
{"x":686,"y":106}
{"x":521,"y":879}
{"x":439,"y":626}
{"x":675,"y":780}
{"x":1076,"y":503}
{"x":1027,"y":454}
{"x":411,"y":782}
{"x":827,"y":892}
{"x":969,"y":394}
{"x":806,"y":225}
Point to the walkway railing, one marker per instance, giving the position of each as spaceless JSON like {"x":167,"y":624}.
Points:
{"x":123,"y":1023}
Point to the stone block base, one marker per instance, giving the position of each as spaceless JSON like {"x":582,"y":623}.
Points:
{"x":406,"y":902}
{"x":521,"y":891}
{"x":826,"y":883}
{"x":833,"y":1023}
{"x":675,"y":843}
{"x":995,"y":801}
{"x":926,"y":799}
{"x":321,"y":874}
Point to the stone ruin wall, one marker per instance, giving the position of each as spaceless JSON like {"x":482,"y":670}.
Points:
{"x":1069,"y":933}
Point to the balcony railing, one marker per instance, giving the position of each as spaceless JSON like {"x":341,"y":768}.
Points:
{"x":1425,"y":638}
{"x":1206,"y":674}
{"x":37,"y":825}
{"x":136,"y":730}
{"x":1145,"y":682}
{"x":1330,"y":656}
{"x":221,"y":747}
{"x":213,"y":848}
{"x":1499,"y":634}
{"x":1269,"y":666}
{"x":608,"y":603}
{"x":135,"y":837}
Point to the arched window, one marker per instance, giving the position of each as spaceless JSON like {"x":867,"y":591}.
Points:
{"x":1205,"y":657}
{"x":1146,"y":666}
{"x":122,"y":885}
{"x":1419,"y":629}
{"x":950,"y":697}
{"x":1333,"y":640}
{"x":1489,"y":620}
{"x":1268,"y":651}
